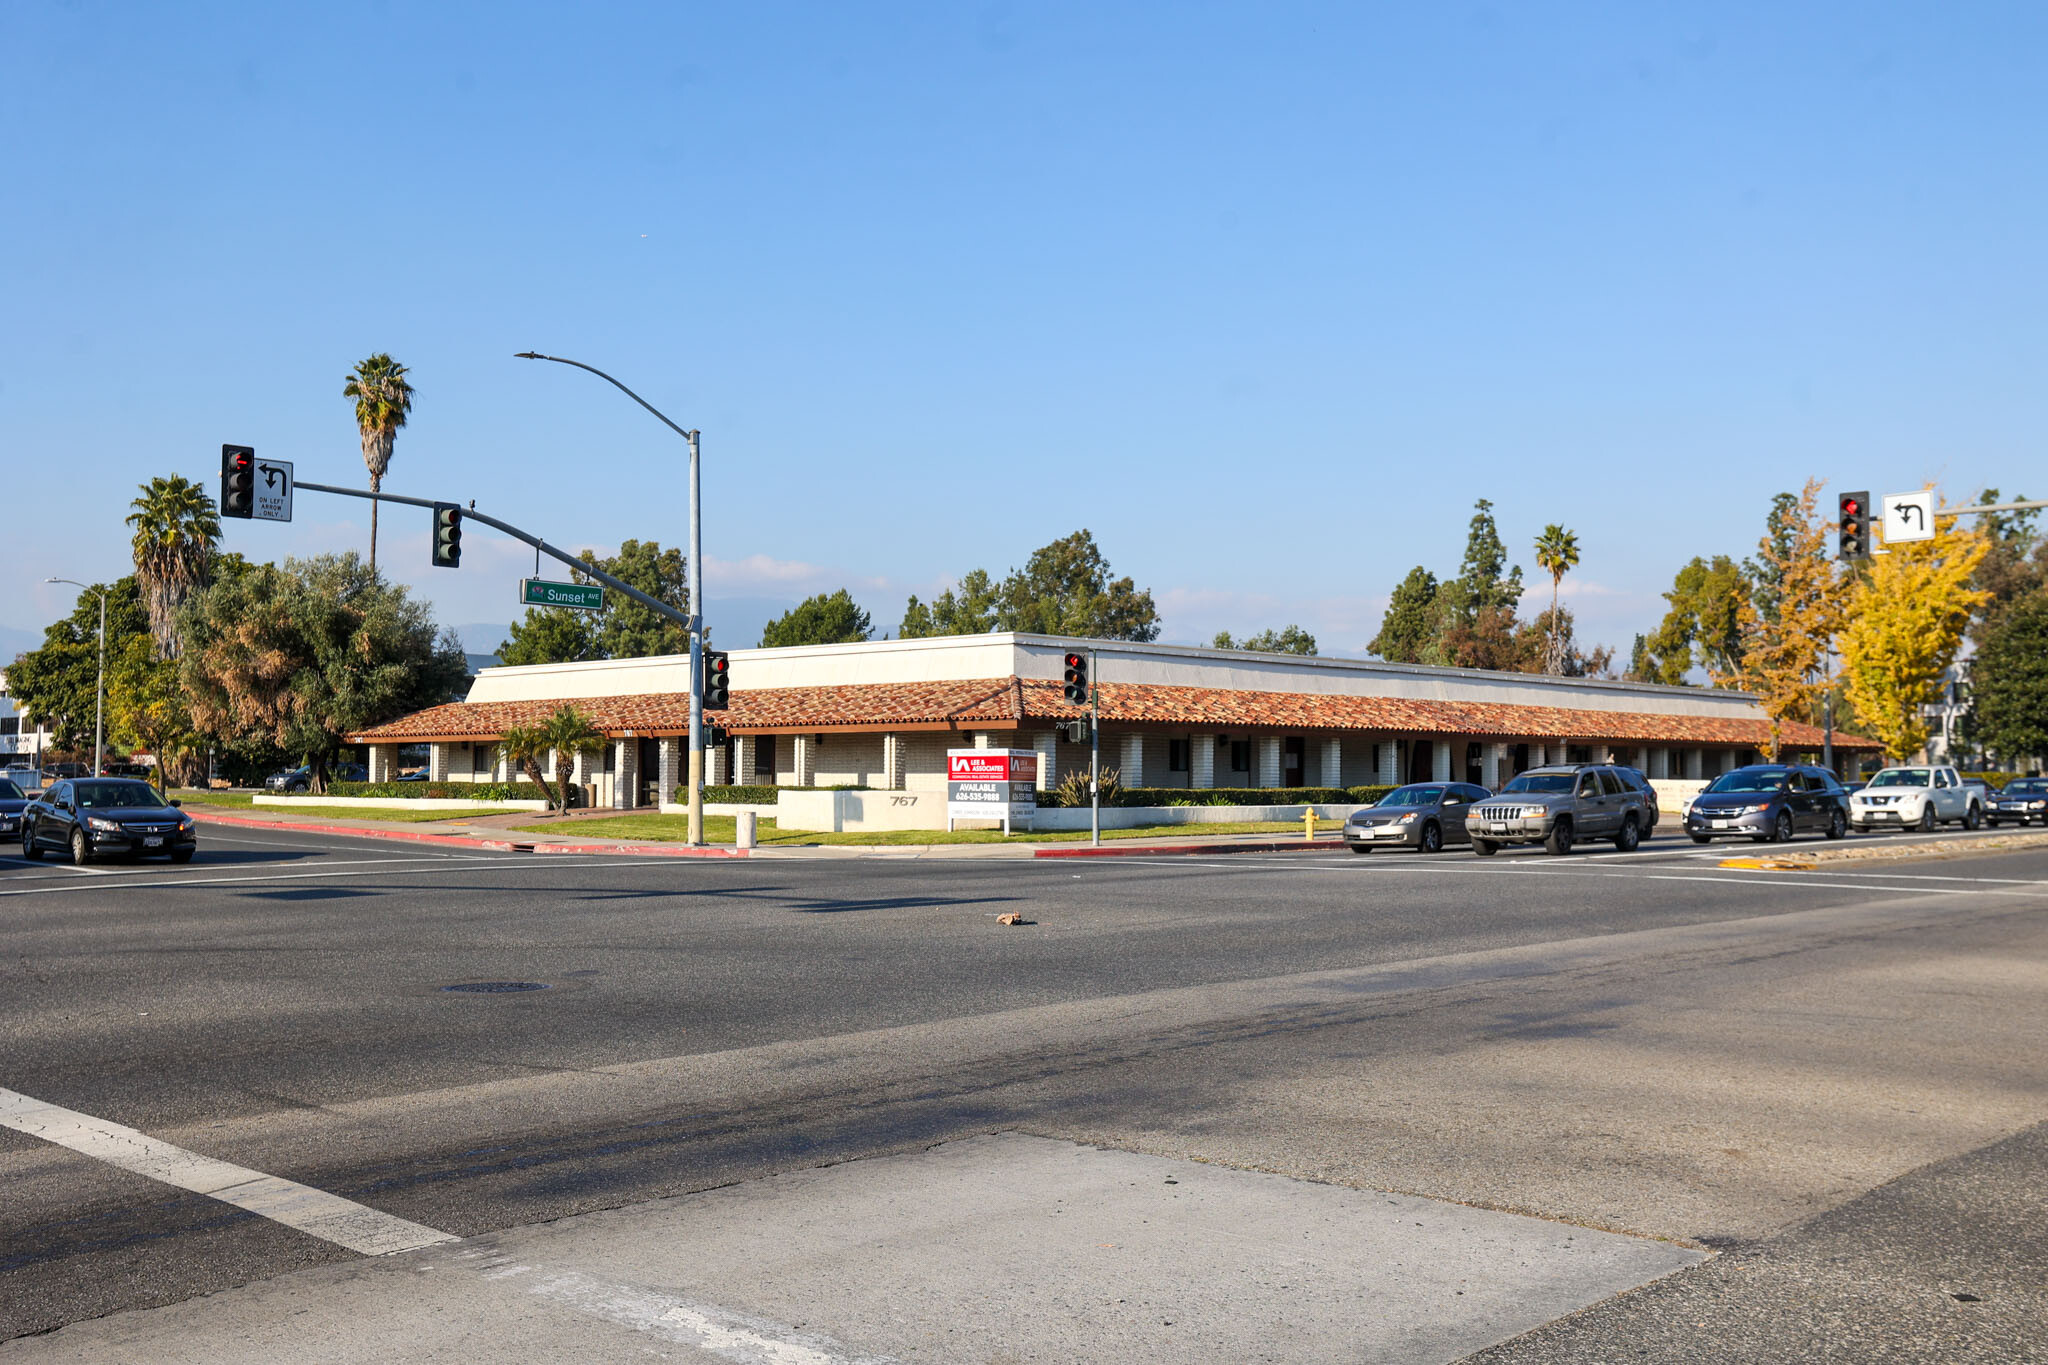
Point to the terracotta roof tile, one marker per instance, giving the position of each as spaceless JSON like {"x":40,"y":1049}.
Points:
{"x":1010,"y":701}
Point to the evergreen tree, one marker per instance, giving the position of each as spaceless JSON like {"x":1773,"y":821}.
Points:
{"x":827,"y":619}
{"x":2009,"y":681}
{"x":624,"y":629}
{"x":1063,"y":589}
{"x":1289,"y":639}
{"x":1409,"y":625}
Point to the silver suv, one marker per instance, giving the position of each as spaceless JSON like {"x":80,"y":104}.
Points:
{"x":1562,"y":805}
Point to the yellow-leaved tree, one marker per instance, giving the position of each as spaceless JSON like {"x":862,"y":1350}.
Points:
{"x":1784,"y":644}
{"x":1906,"y":622}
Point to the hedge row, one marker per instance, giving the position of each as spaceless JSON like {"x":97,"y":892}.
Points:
{"x":1243,"y":796}
{"x":477,"y":791}
{"x":756,"y":796}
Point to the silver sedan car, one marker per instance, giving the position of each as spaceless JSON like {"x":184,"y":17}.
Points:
{"x":1422,"y":815}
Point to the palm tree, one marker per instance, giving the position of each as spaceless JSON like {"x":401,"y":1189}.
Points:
{"x":1557,"y":553}
{"x":524,"y":746}
{"x":176,"y":529}
{"x":383,"y":401}
{"x":568,"y":732}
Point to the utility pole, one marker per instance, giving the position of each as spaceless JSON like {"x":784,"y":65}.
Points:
{"x":1094,"y":757}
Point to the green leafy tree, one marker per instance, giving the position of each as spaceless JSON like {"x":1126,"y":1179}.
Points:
{"x":827,"y":619}
{"x":2009,"y":681}
{"x":383,"y":402}
{"x":57,"y":684}
{"x":1703,"y":626}
{"x":176,"y":529}
{"x":624,"y":629}
{"x":1492,"y":639}
{"x":1289,"y":639}
{"x":1549,"y":644}
{"x":2015,"y":565}
{"x":1065,"y":588}
{"x":302,"y":654}
{"x":1766,"y":572}
{"x":1485,"y":581}
{"x":146,"y":709}
{"x":1557,"y":554}
{"x":1407,"y":630}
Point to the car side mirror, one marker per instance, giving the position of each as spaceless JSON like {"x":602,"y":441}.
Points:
{"x":176,"y":802}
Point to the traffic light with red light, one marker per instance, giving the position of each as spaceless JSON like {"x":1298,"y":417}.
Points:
{"x":447,"y":536}
{"x":717,"y":690}
{"x":1076,"y":689}
{"x":238,"y":481}
{"x":1852,"y":539}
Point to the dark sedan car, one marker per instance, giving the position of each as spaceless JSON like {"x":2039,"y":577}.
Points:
{"x":1424,"y":815}
{"x":93,"y":817}
{"x":2024,"y":799}
{"x":1769,"y":802}
{"x":13,"y":800}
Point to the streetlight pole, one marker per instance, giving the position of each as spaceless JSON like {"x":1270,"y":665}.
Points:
{"x":99,"y":699}
{"x":696,"y":579}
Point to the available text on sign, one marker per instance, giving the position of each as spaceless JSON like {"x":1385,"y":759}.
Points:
{"x":991,"y":784}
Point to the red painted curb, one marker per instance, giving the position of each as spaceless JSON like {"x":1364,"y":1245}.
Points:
{"x":1298,"y":846}
{"x":466,"y":840}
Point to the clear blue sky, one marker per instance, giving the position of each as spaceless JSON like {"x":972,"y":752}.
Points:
{"x":1263,"y":294}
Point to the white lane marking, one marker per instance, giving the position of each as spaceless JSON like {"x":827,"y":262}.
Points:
{"x":160,"y":875}
{"x":53,"y":868}
{"x":481,"y":865}
{"x":314,"y":1212}
{"x":719,"y":1331}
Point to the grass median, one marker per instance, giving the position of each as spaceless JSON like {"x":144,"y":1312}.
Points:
{"x":720,"y":829}
{"x":382,"y":814}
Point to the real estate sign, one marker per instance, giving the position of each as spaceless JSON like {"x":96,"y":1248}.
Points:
{"x":991,"y":784}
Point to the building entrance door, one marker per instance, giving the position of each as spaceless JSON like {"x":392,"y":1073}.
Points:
{"x":1291,"y":762}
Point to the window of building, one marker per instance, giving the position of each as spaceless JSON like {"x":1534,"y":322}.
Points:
{"x":1240,"y":755}
{"x":1177,"y":756}
{"x":10,"y":725}
{"x":1578,"y":753}
{"x":480,"y":760}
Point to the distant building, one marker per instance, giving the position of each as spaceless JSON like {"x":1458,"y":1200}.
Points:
{"x":882,"y":714}
{"x":20,"y":742}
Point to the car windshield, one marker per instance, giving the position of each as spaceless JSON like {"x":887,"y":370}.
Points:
{"x":1748,"y":782}
{"x":109,"y":795}
{"x":1903,"y":777}
{"x":2026,"y":786}
{"x":1413,"y":796}
{"x":1540,"y":782}
{"x":9,"y":792}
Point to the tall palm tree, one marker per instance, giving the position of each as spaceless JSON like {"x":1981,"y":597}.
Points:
{"x":568,"y":732}
{"x":1557,"y":553}
{"x":524,"y":746}
{"x":176,"y":529}
{"x":383,"y":401}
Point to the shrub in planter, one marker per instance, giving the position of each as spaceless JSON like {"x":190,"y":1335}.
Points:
{"x":1367,"y":796}
{"x":483,"y":793}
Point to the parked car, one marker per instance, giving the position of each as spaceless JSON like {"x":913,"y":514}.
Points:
{"x":95,"y":816}
{"x":13,"y":800}
{"x":57,"y":772}
{"x":1560,"y":806}
{"x":416,"y":775}
{"x":142,"y":770}
{"x":1769,"y":802}
{"x":1422,"y":815}
{"x":28,"y":779}
{"x":1915,"y":798}
{"x":300,"y":779}
{"x":2024,"y":799}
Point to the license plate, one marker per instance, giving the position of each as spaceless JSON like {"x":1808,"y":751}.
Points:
{"x":153,"y":841}
{"x":1722,"y":824}
{"x":1496,"y":827}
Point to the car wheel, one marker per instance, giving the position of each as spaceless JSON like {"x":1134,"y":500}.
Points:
{"x":1361,"y":848}
{"x":1927,"y":818}
{"x":1703,"y":838}
{"x":1630,"y":836}
{"x":182,"y":855}
{"x":1974,"y":816}
{"x":29,"y":848}
{"x":1432,"y":838}
{"x":1838,"y":825}
{"x":1485,"y":848}
{"x":1781,"y":828}
{"x":81,"y":848}
{"x":1560,"y":840}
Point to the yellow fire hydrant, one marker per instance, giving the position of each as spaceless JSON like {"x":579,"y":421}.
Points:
{"x":1308,"y":822}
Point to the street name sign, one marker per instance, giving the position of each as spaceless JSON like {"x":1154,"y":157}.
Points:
{"x":273,"y":500}
{"x":1909,"y":516}
{"x":991,"y":784}
{"x":538,"y":592}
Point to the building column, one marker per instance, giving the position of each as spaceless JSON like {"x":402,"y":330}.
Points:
{"x":1493,"y":765}
{"x":1333,"y":762}
{"x":804,"y":749}
{"x":625,"y":773}
{"x":892,"y":763}
{"x":1386,"y":767}
{"x":983,"y":740}
{"x":670,"y":773}
{"x":1695,"y":761}
{"x":1266,"y":765}
{"x":1440,"y":760}
{"x":746,"y":776}
{"x":1604,"y":753}
{"x":1660,"y":764}
{"x":579,"y":771}
{"x":381,"y":758}
{"x":1131,"y":759}
{"x":1201,"y":761}
{"x":714,"y":767}
{"x":437,"y":761}
{"x":1046,"y":743}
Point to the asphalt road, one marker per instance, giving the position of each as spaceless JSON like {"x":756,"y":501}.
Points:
{"x":1645,"y":1043}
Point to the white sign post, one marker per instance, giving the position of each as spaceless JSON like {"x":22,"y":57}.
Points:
{"x":991,"y":784}
{"x":273,"y":491}
{"x":1908,"y":516}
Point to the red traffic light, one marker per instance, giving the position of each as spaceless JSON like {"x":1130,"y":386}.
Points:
{"x":717,"y":663}
{"x":1850,"y":507}
{"x":1076,"y":660}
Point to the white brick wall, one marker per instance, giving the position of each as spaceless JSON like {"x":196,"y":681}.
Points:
{"x":1202,"y":755}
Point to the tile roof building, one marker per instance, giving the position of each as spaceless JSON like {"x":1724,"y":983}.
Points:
{"x":882,"y":714}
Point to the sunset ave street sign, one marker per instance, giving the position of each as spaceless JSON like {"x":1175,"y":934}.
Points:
{"x":538,"y":592}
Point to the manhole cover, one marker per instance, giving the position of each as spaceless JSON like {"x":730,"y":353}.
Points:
{"x":496,"y":987}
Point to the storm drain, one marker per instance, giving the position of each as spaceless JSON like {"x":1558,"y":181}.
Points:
{"x":496,"y":987}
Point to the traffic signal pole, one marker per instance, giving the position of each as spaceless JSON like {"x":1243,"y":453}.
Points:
{"x":1094,"y":759}
{"x":696,"y":779}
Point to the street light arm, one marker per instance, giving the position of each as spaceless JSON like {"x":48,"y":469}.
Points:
{"x":559,"y":360}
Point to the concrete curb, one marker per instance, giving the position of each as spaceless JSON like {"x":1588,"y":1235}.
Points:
{"x":472,"y":841}
{"x":2019,"y":841}
{"x":1130,"y":851}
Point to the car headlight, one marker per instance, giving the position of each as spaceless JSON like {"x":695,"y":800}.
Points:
{"x":1534,"y":812}
{"x":103,"y":826}
{"x":1407,"y":819}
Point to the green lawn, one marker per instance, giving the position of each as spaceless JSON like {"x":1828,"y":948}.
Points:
{"x":383,"y":814}
{"x":719,"y":829}
{"x":193,"y":796}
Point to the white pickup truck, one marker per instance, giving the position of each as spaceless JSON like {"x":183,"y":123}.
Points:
{"x":1915,"y":798}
